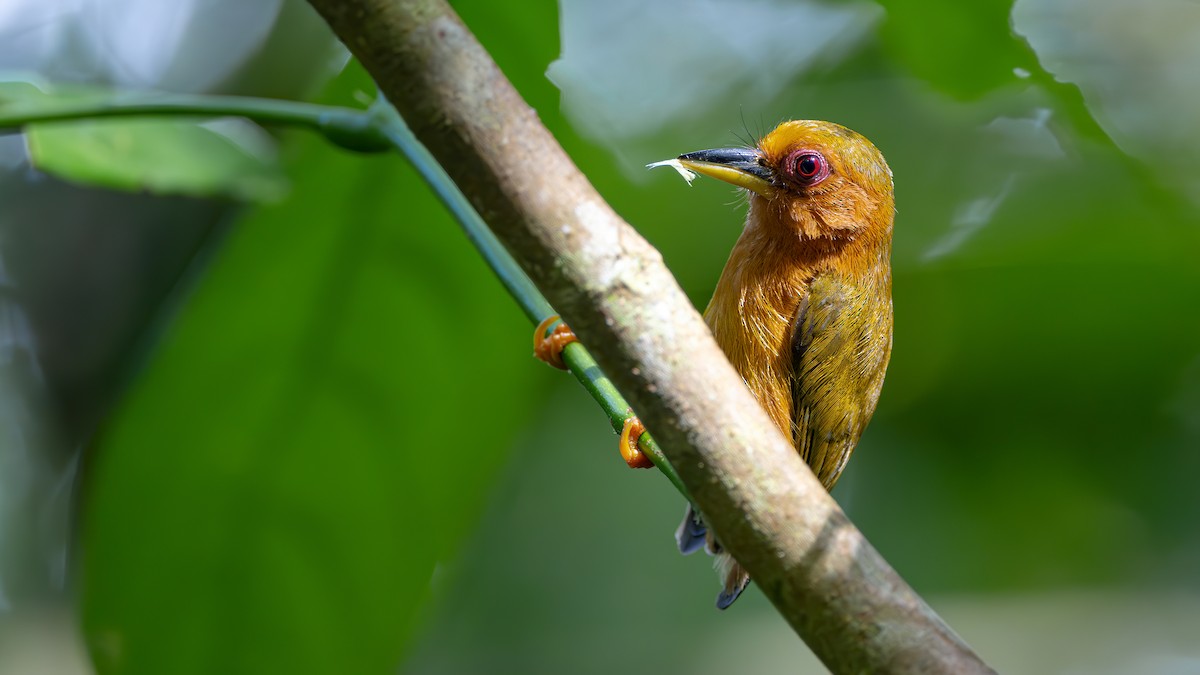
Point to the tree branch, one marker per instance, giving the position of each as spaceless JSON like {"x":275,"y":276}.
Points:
{"x":763,"y":502}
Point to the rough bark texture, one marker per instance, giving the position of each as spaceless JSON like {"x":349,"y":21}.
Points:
{"x":611,"y":286}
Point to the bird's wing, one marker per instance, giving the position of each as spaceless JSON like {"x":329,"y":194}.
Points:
{"x":841,"y":341}
{"x":692,"y":533}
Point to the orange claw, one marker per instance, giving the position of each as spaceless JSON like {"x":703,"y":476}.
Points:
{"x":630,"y":433}
{"x":549,"y":348}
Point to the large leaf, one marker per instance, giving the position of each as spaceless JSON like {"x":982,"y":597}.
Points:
{"x":229,"y":158}
{"x":966,"y":49}
{"x":162,"y":156}
{"x":316,"y":430}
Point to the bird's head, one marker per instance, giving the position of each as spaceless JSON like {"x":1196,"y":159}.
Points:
{"x":817,"y":179}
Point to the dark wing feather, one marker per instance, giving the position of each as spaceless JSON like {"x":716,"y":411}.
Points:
{"x":692,"y":533}
{"x":841,"y":341}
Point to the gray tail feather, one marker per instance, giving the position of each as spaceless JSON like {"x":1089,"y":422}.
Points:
{"x":691,"y":533}
{"x":734,"y":577}
{"x":726,"y":597}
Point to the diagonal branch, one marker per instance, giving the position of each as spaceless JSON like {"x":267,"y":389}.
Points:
{"x":768,"y":509}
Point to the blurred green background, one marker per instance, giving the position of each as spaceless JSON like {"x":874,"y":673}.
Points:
{"x":306,"y":434}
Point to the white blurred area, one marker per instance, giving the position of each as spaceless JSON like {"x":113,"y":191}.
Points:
{"x":1137,"y":65}
{"x":134,"y":43}
{"x":631,"y":70}
{"x":83,"y":273}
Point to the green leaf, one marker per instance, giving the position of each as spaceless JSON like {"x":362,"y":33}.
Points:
{"x":965,"y":49}
{"x":318,"y":428}
{"x":227,"y":158}
{"x":163,"y":156}
{"x":26,"y":92}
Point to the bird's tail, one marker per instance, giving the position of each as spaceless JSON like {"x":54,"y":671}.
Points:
{"x":735,"y":577}
{"x":691,"y":533}
{"x":691,"y":536}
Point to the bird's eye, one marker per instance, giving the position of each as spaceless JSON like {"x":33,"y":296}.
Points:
{"x":807,"y":167}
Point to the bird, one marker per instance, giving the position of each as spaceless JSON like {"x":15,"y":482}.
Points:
{"x":803,"y":307}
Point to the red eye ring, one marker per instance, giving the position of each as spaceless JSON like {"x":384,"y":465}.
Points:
{"x":806,"y":167}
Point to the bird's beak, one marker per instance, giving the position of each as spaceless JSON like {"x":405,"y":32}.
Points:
{"x":744,"y":167}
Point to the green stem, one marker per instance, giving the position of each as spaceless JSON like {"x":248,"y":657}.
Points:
{"x":513,"y":277}
{"x":575,"y":355}
{"x":352,"y":129}
{"x":378,"y":129}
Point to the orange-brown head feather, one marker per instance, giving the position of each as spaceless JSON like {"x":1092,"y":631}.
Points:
{"x":853,"y":197}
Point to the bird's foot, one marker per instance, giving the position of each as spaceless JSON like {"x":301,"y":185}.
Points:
{"x":630,"y":452}
{"x":549,"y":348}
